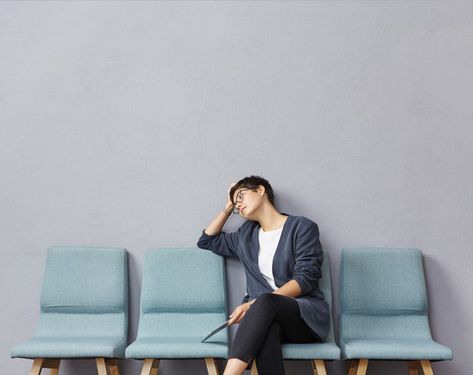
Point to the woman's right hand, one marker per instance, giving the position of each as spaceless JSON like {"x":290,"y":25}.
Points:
{"x":239,"y":312}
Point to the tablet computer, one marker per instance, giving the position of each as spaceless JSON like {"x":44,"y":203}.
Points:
{"x":218,"y":329}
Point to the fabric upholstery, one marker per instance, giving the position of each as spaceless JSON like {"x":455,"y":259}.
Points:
{"x":383,"y":306}
{"x":84,"y":305}
{"x":183,"y":298}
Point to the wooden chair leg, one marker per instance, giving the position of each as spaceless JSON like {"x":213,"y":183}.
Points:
{"x":318,"y":366}
{"x":212,"y":368}
{"x":112,"y":365}
{"x":52,"y":365}
{"x":101,"y":366}
{"x":426,"y":367}
{"x":362,"y":367}
{"x":314,"y":368}
{"x":155,"y":367}
{"x":37,"y":366}
{"x":150,"y":366}
{"x":254,"y":369}
{"x":42,"y":363}
{"x":353,"y":368}
{"x":413,"y":367}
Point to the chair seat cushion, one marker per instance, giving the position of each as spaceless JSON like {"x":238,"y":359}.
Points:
{"x":395,"y":349}
{"x":325,"y":350}
{"x":70,"y":347}
{"x":176,"y":348}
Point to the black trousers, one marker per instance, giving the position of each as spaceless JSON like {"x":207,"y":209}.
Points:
{"x":270,"y":321}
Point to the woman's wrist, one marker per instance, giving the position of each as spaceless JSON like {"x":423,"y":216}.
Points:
{"x":228,"y":209}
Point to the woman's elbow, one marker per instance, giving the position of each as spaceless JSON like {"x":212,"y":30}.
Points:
{"x":202,"y":244}
{"x":308,"y":280}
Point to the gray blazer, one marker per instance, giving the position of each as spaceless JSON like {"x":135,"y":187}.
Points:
{"x":298,"y":257}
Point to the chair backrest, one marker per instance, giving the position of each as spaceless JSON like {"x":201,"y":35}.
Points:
{"x":84,"y":292}
{"x":181,"y":287}
{"x":382,"y":294}
{"x":325,"y":285}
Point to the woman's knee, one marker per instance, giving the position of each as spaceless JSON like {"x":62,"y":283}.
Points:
{"x":264,"y":300}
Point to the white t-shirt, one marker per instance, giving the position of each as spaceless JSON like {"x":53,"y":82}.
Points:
{"x":268,"y":242}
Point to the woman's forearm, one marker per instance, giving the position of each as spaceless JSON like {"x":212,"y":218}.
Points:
{"x":217,"y":224}
{"x":290,"y":289}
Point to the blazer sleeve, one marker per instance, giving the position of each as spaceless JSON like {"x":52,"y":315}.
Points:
{"x":309,"y":258}
{"x":223,"y":243}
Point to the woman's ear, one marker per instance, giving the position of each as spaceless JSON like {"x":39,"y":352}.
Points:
{"x":261,"y":190}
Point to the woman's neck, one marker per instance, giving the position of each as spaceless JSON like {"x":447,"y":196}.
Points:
{"x":270,"y":218}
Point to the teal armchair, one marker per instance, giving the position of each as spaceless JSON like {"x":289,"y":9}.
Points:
{"x":384,"y":310}
{"x":84,"y":309}
{"x":183,"y":297}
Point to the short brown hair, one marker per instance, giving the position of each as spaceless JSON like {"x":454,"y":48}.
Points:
{"x":252,"y":183}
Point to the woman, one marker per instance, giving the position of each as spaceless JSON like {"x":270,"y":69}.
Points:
{"x":282,"y":258}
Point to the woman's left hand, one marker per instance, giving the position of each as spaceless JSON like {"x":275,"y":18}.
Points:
{"x":239,"y":312}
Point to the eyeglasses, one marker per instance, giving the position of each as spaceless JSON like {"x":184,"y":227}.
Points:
{"x":239,"y":199}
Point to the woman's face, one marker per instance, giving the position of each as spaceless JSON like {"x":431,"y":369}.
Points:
{"x":248,"y":201}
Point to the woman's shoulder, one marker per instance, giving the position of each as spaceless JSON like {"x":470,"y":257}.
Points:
{"x":303,"y":221}
{"x":247,"y":225}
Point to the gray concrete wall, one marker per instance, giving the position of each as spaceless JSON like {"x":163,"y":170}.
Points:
{"x":123,"y":124}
